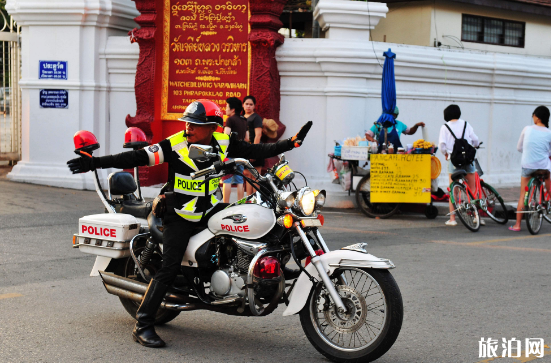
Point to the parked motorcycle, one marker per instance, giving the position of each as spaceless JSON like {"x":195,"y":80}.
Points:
{"x":349,"y":304}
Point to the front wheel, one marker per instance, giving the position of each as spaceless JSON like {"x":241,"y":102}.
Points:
{"x":371,"y":324}
{"x":492,"y":200}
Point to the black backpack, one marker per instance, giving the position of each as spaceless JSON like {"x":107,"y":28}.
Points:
{"x":463,"y":153}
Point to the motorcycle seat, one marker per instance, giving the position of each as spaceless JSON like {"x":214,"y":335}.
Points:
{"x":136,"y":208}
{"x":155,"y":227}
{"x":458,"y":174}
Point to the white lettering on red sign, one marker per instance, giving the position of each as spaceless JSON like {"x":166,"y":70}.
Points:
{"x":98,"y":231}
{"x":230,"y":228}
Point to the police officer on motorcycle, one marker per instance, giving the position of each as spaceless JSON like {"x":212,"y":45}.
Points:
{"x":190,"y":205}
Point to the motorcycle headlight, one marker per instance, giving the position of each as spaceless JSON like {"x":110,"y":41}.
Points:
{"x":286,"y":200}
{"x":306,"y":201}
{"x":320,"y":198}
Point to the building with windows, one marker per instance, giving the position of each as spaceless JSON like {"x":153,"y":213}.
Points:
{"x":503,"y":26}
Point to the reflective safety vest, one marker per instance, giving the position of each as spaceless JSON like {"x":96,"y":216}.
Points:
{"x":193,"y":197}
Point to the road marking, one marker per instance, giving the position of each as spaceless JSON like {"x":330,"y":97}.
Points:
{"x":355,"y":230}
{"x":508,"y":239}
{"x":10,"y":295}
{"x":522,"y":357}
{"x":327,"y":212}
{"x":469,"y":244}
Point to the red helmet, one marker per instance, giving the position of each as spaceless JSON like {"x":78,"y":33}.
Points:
{"x":203,"y":112}
{"x":85,"y":141}
{"x":135,"y":138}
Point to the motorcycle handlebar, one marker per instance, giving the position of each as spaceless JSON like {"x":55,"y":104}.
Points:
{"x":219,"y":167}
{"x":203,"y":172}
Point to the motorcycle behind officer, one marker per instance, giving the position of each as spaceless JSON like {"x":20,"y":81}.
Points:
{"x":188,"y":203}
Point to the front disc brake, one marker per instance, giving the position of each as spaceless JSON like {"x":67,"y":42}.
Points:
{"x":354,"y":317}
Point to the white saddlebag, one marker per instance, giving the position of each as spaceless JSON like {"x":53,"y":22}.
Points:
{"x":107,"y":235}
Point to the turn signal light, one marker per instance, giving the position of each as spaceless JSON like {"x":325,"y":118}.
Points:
{"x":267,"y":268}
{"x":321,"y":219}
{"x":288,"y":221}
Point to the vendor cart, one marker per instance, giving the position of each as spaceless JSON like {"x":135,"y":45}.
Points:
{"x":398,"y":179}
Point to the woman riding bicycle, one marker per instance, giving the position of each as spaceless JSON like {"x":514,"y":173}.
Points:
{"x":535,"y":146}
{"x":446,"y":142}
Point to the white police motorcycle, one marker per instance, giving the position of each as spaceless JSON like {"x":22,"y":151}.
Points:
{"x":349,"y":304}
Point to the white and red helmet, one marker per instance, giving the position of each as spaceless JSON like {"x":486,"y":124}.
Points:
{"x":203,"y":112}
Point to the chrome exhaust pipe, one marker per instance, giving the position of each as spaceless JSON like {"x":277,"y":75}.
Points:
{"x":134,"y":296}
{"x":133,"y":288}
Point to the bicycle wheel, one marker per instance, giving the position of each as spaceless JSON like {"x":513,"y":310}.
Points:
{"x":491,"y":200}
{"x":363,"y":199}
{"x":467,"y":213}
{"x":534,"y":218}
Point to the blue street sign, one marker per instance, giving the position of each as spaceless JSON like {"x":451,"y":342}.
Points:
{"x":54,"y":98}
{"x":52,"y":69}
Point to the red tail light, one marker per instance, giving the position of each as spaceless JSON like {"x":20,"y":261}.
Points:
{"x":526,"y":189}
{"x":267,"y":268}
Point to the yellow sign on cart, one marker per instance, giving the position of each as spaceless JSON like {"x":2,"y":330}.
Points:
{"x":400,"y":178}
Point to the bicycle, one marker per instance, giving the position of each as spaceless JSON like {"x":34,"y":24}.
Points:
{"x":466,"y":203}
{"x":536,"y":201}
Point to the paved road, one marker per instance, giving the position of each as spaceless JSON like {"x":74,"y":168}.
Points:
{"x":457,"y":287}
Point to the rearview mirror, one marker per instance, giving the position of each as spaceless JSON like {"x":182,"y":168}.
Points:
{"x":201,"y":153}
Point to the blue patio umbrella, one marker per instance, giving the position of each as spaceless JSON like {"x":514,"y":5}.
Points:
{"x":388,"y":90}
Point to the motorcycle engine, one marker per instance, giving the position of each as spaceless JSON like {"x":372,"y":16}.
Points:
{"x":231,"y":277}
{"x":227,"y":282}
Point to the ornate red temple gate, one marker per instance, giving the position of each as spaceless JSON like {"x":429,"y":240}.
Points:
{"x":209,"y":49}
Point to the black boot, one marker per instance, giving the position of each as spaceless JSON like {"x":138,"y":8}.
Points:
{"x":144,"y":331}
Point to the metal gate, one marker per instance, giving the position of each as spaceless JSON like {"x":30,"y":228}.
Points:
{"x":10,"y":94}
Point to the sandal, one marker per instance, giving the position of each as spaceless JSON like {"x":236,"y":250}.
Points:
{"x":511,"y":228}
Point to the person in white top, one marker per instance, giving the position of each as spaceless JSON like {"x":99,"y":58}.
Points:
{"x":446,"y":141}
{"x":535,"y":146}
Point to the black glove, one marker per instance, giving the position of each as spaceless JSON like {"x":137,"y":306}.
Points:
{"x":82,"y":164}
{"x":299,"y":137}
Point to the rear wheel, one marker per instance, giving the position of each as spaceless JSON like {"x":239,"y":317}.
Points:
{"x":127,"y":268}
{"x":373,"y":210}
{"x":371,"y":324}
{"x":466,"y":211}
{"x":493,"y":204}
{"x":534,"y":217}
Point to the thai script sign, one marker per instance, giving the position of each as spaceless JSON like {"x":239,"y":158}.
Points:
{"x":206,"y":53}
{"x":52,"y":70}
{"x":400,"y":178}
{"x":54,"y":98}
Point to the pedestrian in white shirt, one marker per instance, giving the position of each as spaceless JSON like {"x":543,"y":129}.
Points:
{"x":535,"y":146}
{"x":446,"y":141}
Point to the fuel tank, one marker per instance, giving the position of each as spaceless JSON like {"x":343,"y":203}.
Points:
{"x":248,"y":221}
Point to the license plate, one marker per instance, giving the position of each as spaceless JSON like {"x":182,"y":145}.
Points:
{"x":311,"y":222}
